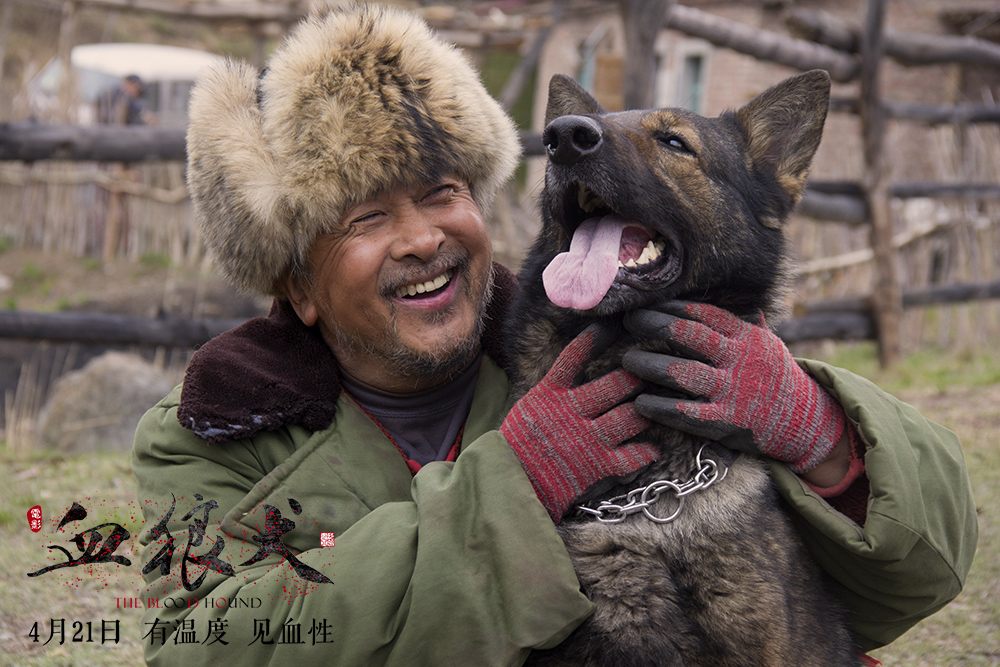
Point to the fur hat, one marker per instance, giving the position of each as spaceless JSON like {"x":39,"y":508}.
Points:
{"x":352,"y":104}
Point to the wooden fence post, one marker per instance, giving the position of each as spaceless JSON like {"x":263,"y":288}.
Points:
{"x":8,"y":12}
{"x":643,"y":20}
{"x":67,"y":86}
{"x":887,"y":299}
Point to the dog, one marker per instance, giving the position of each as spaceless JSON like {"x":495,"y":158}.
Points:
{"x":721,"y":579}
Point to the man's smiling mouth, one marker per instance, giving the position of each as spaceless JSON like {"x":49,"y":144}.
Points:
{"x":425,"y":288}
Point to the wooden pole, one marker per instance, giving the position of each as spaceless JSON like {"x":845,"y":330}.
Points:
{"x":643,"y":20}
{"x":67,"y":27}
{"x":101,"y":328}
{"x":908,"y":49}
{"x":887,"y":297}
{"x":8,"y":12}
{"x":519,"y":77}
{"x":113,"y":221}
{"x":259,"y":45}
{"x":211,"y":11}
{"x":762,"y":44}
{"x":30,"y":141}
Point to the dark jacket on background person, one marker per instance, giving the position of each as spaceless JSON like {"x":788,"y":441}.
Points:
{"x":117,"y":107}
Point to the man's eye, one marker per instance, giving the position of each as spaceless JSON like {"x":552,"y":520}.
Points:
{"x":365,"y":218}
{"x":440,"y":193}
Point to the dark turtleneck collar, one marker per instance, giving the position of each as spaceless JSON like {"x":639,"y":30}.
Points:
{"x":274,"y":371}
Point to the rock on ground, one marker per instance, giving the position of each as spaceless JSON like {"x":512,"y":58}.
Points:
{"x":99,"y":406}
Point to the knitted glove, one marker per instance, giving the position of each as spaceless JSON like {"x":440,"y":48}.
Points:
{"x":568,"y":438}
{"x":747,"y":391}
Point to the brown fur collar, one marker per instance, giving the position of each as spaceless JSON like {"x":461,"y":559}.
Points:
{"x":274,"y":371}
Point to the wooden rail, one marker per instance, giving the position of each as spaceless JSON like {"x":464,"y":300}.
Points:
{"x":106,"y":329}
{"x":843,"y":319}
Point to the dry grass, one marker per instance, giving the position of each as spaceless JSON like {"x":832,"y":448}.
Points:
{"x":960,"y":390}
{"x":103,"y":484}
{"x":966,"y":632}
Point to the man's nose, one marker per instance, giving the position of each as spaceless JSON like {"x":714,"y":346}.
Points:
{"x":418,"y":235}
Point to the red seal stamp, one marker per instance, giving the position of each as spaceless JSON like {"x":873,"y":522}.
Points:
{"x":35,"y":518}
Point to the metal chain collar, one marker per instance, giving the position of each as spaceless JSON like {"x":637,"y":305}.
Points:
{"x":706,"y":472}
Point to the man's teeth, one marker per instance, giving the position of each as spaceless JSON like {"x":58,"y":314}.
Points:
{"x":651,"y":252}
{"x":426,"y":286}
{"x":587,"y":200}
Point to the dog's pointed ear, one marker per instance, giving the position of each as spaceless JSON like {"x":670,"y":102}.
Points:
{"x":784,"y":125}
{"x":567,"y":97}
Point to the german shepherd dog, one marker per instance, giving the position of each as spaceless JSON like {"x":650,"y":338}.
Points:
{"x":727,"y":581}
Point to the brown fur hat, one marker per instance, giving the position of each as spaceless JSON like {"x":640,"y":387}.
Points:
{"x":353,"y":103}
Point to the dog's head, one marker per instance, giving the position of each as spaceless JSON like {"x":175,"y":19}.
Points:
{"x":644,"y":206}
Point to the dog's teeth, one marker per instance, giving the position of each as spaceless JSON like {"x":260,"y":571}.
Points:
{"x":630,"y":264}
{"x":660,"y":246}
{"x":587,"y":200}
{"x":653,"y":251}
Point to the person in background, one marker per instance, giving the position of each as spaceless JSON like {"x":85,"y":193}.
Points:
{"x":120,"y":105}
{"x":123,"y":104}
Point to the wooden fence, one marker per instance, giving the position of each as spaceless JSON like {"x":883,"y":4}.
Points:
{"x":903,"y":260}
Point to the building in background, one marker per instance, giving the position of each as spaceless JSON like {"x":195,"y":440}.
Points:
{"x":589,"y":45}
{"x":168,"y":74}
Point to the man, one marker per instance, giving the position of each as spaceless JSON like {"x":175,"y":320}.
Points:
{"x":345,"y":473}
{"x":123,"y":105}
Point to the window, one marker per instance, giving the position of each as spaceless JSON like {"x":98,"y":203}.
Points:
{"x":682,"y":69}
{"x":690,"y":91}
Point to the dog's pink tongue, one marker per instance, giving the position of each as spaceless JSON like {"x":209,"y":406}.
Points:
{"x":582,"y":276}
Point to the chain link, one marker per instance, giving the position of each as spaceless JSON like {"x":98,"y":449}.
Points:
{"x":706,"y":472}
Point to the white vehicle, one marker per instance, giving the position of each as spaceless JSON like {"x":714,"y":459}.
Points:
{"x":168,"y":73}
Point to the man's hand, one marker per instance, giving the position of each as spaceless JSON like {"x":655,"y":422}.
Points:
{"x":746,"y":390}
{"x":568,"y":438}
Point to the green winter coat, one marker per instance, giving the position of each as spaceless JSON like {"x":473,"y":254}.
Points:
{"x":459,"y":564}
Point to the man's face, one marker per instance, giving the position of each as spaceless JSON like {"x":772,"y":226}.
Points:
{"x":133,"y":88}
{"x":399,"y":290}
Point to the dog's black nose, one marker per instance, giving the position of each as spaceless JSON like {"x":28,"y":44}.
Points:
{"x":568,"y":138}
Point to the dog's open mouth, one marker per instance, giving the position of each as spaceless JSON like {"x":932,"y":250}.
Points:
{"x":606,"y":250}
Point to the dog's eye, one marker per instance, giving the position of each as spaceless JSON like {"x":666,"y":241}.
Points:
{"x":675,"y":143}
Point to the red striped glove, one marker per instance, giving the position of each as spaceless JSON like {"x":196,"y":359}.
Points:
{"x":746,"y":390}
{"x":568,"y":438}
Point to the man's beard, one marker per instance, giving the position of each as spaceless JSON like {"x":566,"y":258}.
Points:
{"x":448,"y":359}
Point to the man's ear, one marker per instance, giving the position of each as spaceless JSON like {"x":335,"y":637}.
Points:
{"x":296,"y":289}
{"x":783,"y":126}
{"x":568,"y":98}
